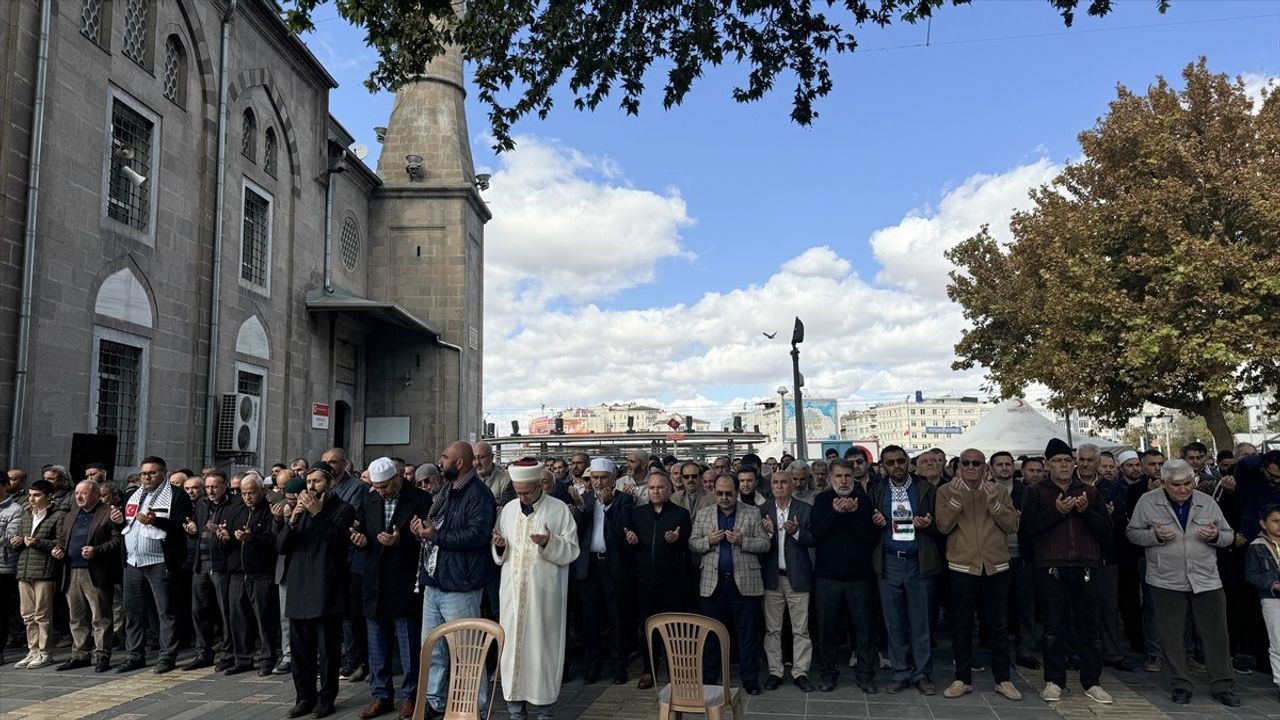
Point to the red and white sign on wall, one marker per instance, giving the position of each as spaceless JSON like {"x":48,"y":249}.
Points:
{"x":320,"y":416}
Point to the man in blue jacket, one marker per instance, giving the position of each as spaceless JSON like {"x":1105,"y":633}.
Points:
{"x":456,"y":558}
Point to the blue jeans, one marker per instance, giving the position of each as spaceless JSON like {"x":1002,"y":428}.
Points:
{"x":906,"y":599}
{"x":438,"y":608}
{"x":386,"y":636}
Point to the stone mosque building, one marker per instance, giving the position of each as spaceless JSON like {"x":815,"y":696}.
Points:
{"x":194,"y":263}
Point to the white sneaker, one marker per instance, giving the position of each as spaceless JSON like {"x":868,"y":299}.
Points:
{"x":41,"y":660}
{"x":1098,"y":695}
{"x":24,"y":662}
{"x":1051,"y":692}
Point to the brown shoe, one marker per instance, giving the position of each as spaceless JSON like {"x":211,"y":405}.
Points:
{"x":406,"y":710}
{"x":646,"y":682}
{"x":375,"y":708}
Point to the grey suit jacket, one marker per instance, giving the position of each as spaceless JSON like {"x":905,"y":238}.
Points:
{"x":799,"y":556}
{"x":746,"y":558}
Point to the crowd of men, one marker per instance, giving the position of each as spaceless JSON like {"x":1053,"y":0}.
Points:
{"x":1072,"y":560}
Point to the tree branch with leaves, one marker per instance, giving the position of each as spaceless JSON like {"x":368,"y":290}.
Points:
{"x":1147,"y":271}
{"x":523,"y":50}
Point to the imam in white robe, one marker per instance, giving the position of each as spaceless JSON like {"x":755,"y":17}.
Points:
{"x":533,"y":598}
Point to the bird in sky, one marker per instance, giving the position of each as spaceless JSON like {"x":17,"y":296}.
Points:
{"x":769,"y":335}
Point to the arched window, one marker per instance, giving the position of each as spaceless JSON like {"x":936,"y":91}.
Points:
{"x":95,"y":20}
{"x":137,"y":31}
{"x":249,"y":136}
{"x":175,"y":71}
{"x":269,"y":152}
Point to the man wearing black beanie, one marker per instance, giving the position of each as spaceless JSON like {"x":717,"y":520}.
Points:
{"x":1065,"y":522}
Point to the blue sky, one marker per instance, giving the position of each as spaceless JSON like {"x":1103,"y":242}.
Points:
{"x":709,"y":204}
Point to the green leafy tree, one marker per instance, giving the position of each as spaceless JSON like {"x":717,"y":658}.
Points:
{"x":524,"y":49}
{"x":1147,"y":271}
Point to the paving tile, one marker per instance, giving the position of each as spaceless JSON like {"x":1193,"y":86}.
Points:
{"x":835,"y":708}
{"x":899,"y":710}
{"x":776,"y":706}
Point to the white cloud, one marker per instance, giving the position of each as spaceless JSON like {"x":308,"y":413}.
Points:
{"x":911,"y":252}
{"x":1254,"y":83}
{"x":552,"y":260}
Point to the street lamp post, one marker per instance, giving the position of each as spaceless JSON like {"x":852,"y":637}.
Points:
{"x":782,"y":414}
{"x":797,"y":337}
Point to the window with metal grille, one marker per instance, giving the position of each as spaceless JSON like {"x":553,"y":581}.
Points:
{"x":128,"y":194}
{"x":350,"y":244}
{"x":119,"y":388}
{"x":256,"y":242}
{"x":175,"y":71}
{"x":92,"y":19}
{"x":248,"y":383}
{"x":137,"y":30}
{"x":248,"y":135}
{"x":269,"y":152}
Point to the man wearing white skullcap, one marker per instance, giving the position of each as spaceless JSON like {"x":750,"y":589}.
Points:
{"x":534,"y":542}
{"x":601,"y":580}
{"x":392,"y":610}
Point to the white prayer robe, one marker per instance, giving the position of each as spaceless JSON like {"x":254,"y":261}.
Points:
{"x":533,"y":597}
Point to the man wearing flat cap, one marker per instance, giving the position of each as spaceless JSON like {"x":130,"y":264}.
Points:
{"x":1066,"y":524}
{"x":534,"y":543}
{"x":392,"y":610}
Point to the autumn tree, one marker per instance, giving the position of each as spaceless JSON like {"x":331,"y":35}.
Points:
{"x":525,"y":49}
{"x":1147,"y":271}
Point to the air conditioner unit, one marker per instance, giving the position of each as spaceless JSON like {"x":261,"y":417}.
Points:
{"x":238,"y":424}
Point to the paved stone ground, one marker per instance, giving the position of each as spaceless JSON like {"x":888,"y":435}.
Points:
{"x":48,"y":695}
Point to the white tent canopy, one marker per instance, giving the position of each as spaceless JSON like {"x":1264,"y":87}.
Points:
{"x":1016,"y":427}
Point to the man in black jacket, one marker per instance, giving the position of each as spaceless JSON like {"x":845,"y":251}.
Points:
{"x":844,"y":538}
{"x":253,"y":596}
{"x":315,"y":537}
{"x":456,"y":557}
{"x":659,"y":532}
{"x":208,"y":529}
{"x":1066,"y":524}
{"x":392,"y":611}
{"x":603,"y":573}
{"x":152,"y":509}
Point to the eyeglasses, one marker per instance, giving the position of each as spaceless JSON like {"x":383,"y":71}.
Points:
{"x":971,"y":463}
{"x":690,"y":477}
{"x":891,"y":463}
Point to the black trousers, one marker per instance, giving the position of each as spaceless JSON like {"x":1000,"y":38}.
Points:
{"x":182,"y":606}
{"x":8,"y":606}
{"x":740,"y":613}
{"x":355,"y":643}
{"x":652,"y":600}
{"x":1022,"y":608}
{"x":316,"y":645}
{"x":992,"y":593}
{"x":605,"y":634}
{"x":1070,"y":621}
{"x":210,"y":606}
{"x":832,"y":599}
{"x":152,"y":582}
{"x":255,"y":611}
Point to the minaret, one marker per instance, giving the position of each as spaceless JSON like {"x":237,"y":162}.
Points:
{"x":429,"y":119}
{"x":427,"y":255}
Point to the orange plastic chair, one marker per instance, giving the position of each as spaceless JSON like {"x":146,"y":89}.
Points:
{"x":469,"y":641}
{"x":684,"y":636}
